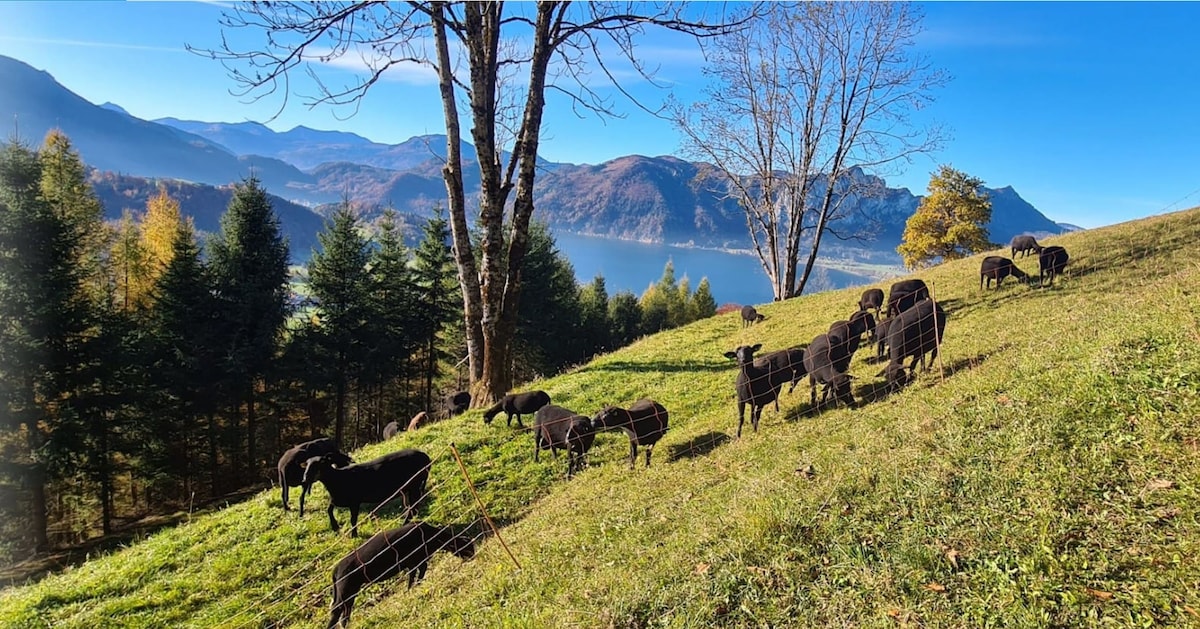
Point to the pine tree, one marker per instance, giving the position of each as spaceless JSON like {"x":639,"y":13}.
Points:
{"x":436,"y":290}
{"x":250,"y":270}
{"x":395,"y":310}
{"x":549,"y":314}
{"x":594,"y":329}
{"x":64,"y":187}
{"x":624,"y":318}
{"x":338,"y":281}
{"x":951,"y":221}
{"x":702,"y":305}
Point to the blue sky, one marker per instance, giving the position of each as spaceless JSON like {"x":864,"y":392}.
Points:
{"x":1088,"y":110}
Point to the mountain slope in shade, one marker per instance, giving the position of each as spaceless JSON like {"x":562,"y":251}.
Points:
{"x":113,"y":140}
{"x":205,"y":204}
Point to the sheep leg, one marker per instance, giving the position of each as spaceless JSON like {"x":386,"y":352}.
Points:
{"x":649,"y":449}
{"x":519,"y":424}
{"x":302,"y":492}
{"x":333,"y":523}
{"x":284,"y":484}
{"x":354,"y":520}
{"x":741,"y":417}
{"x":343,"y":602}
{"x":755,"y":413}
{"x":417,"y":574}
{"x":632,"y":454}
{"x":812,"y":390}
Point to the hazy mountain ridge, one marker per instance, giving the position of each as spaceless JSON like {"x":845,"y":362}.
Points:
{"x":652,"y":199}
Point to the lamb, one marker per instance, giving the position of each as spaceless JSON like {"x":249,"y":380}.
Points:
{"x":391,"y":430}
{"x":821,"y":360}
{"x":750,"y":316}
{"x":871,"y":298}
{"x":555,"y":427}
{"x":457,"y":403}
{"x":418,"y":420}
{"x":904,"y":294}
{"x":517,"y":404}
{"x":757,"y":384}
{"x":376,"y":481}
{"x":1024,"y":244}
{"x":916,"y":332}
{"x":998,"y":268}
{"x":645,"y":422}
{"x":1051,"y":261}
{"x":292,"y":463}
{"x":387,"y":553}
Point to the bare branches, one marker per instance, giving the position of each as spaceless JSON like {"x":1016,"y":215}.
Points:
{"x":802,"y":99}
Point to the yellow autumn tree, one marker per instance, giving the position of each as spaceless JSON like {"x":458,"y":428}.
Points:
{"x":950,"y":222}
{"x":129,"y":267}
{"x":162,"y":222}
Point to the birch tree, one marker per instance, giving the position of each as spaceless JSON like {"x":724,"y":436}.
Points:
{"x":796,"y":102}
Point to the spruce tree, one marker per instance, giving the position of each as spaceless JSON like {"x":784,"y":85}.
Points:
{"x":395,"y":311}
{"x":624,"y":318}
{"x":338,"y":282}
{"x":702,"y":305}
{"x":250,"y":271}
{"x":437,"y":293}
{"x":594,"y":329}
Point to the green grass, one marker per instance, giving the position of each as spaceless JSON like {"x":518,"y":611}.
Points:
{"x":1047,"y":479}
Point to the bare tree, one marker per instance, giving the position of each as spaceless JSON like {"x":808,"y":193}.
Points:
{"x":798,"y":100}
{"x":472,"y":47}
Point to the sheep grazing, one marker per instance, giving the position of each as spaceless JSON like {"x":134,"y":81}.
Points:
{"x":457,"y":403}
{"x":905,"y":294}
{"x":757,"y":384}
{"x":385,"y":555}
{"x":645,"y":422}
{"x":517,"y":404}
{"x":872,"y":298}
{"x":822,"y":359}
{"x":1051,"y":261}
{"x":292,"y":464}
{"x":555,"y":427}
{"x":418,"y":420}
{"x":391,"y":430}
{"x":378,"y":481}
{"x":750,"y":316}
{"x":998,"y":268}
{"x":785,"y":365}
{"x":1024,"y":245}
{"x":916,"y":332}
{"x":850,"y":333}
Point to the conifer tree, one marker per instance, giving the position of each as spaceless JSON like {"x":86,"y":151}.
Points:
{"x":434,"y":277}
{"x":624,"y":318}
{"x":338,"y":281}
{"x":950,"y":222}
{"x":702,"y":305}
{"x":160,"y":226}
{"x":130,"y":266}
{"x":250,"y":271}
{"x":395,"y":308}
{"x":547,"y":329}
{"x":594,"y":328}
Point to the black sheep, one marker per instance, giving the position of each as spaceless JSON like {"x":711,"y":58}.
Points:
{"x":822,"y":358}
{"x":997,"y":268}
{"x":1051,"y":261}
{"x":750,"y":316}
{"x":391,"y":430}
{"x":292,"y":463}
{"x":517,"y":404}
{"x":645,"y":422}
{"x":850,"y":333}
{"x":916,"y":332}
{"x":1024,"y":245}
{"x":401,"y":473}
{"x":757,"y":384}
{"x":457,"y":403}
{"x":555,"y":427}
{"x":784,"y":365}
{"x":904,"y":294}
{"x":872,"y":298}
{"x":881,"y":335}
{"x":385,"y":555}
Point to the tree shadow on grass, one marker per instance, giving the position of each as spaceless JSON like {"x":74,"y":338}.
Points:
{"x":699,"y":445}
{"x":661,"y":366}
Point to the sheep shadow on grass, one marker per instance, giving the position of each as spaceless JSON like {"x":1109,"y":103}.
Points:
{"x":699,"y":445}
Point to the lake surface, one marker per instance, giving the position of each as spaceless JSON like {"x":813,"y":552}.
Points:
{"x":634,"y":266}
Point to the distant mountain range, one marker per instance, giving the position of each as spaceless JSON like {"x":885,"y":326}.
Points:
{"x":651,"y":199}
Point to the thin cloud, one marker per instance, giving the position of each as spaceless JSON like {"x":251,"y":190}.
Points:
{"x":89,"y":44}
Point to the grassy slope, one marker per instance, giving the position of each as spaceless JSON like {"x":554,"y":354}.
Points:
{"x":1049,"y":480}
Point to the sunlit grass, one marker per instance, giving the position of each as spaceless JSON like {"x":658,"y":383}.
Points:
{"x":1045,"y":477}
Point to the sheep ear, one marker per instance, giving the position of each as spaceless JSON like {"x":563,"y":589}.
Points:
{"x":730,"y":355}
{"x":881,"y":373}
{"x":756,"y":347}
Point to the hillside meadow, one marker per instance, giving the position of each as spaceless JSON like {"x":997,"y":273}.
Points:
{"x":1042,"y":474}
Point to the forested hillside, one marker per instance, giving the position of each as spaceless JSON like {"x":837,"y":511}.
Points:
{"x":1041,"y":474}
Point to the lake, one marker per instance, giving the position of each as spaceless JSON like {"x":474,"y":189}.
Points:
{"x":633,"y":266}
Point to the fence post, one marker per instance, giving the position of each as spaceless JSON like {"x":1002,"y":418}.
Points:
{"x":486,"y":517}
